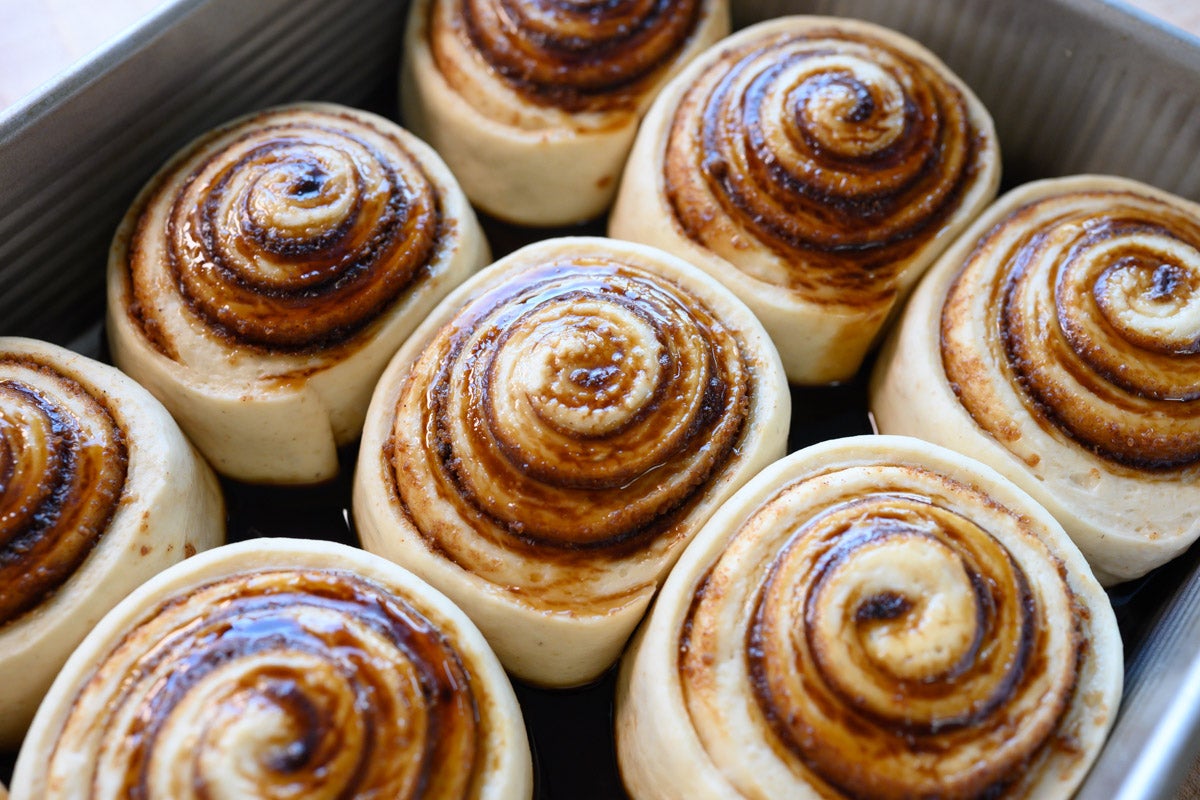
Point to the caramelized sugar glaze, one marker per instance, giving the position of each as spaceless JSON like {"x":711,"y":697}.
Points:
{"x":263,"y":278}
{"x":581,"y":406}
{"x":835,"y":151}
{"x":556,"y":433}
{"x":292,"y":236}
{"x":815,"y":166}
{"x":945,"y":678}
{"x":535,"y":103}
{"x":592,"y":56}
{"x":279,"y":668}
{"x":1097,"y":309}
{"x":1056,"y":341}
{"x":872,"y":618}
{"x":365,"y":692}
{"x":99,"y":491}
{"x":63,"y":462}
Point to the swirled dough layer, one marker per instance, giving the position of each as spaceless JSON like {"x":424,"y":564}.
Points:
{"x":263,"y":278}
{"x":873,"y":617}
{"x":535,"y":103}
{"x":1059,"y":342}
{"x":99,"y":491}
{"x":280,"y":668}
{"x":554,"y":435}
{"x":816,"y":166}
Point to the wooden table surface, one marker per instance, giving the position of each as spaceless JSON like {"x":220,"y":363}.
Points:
{"x":39,"y":38}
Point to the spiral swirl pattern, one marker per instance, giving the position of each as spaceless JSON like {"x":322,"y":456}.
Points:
{"x":1094,"y":316}
{"x":553,"y":436}
{"x":837,"y":154}
{"x":590,"y":56}
{"x":63,"y":462}
{"x":288,"y":232}
{"x":312,"y":683}
{"x":580,"y":408}
{"x":877,"y":627}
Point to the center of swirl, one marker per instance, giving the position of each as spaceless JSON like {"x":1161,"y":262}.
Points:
{"x":898,"y":604}
{"x":298,"y":198}
{"x":915,"y":606}
{"x":850,"y":109}
{"x":1152,"y":296}
{"x":587,"y":373}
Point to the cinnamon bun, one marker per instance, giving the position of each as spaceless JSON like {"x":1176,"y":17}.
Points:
{"x":264,"y":277}
{"x":534,"y":103}
{"x":99,"y":491}
{"x":873,"y":617}
{"x":546,"y":444}
{"x":1059,"y":342}
{"x":280,"y":668}
{"x":816,"y":166}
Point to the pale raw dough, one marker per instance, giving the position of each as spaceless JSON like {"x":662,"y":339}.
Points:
{"x":70,"y":744}
{"x":267,"y":414}
{"x":519,"y":160}
{"x":823,"y":309}
{"x":557,"y":615}
{"x":696,"y":728}
{"x":1125,"y":520}
{"x":170,"y":507}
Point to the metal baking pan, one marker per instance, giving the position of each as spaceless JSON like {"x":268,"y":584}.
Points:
{"x":1074,"y":86}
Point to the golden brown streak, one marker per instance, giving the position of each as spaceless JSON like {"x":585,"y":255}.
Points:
{"x":854,"y":266}
{"x":576,"y":74}
{"x":77,"y":501}
{"x":254,"y":624}
{"x":534,"y":290}
{"x":1046,"y":400}
{"x":313,"y":317}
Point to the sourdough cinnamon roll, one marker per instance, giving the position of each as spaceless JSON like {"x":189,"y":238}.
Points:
{"x":534,"y":103}
{"x":264,"y":277}
{"x":554,"y":434}
{"x":1058,"y":342}
{"x":280,"y":668}
{"x":815,"y":166}
{"x":873,"y":617}
{"x":99,"y":491}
